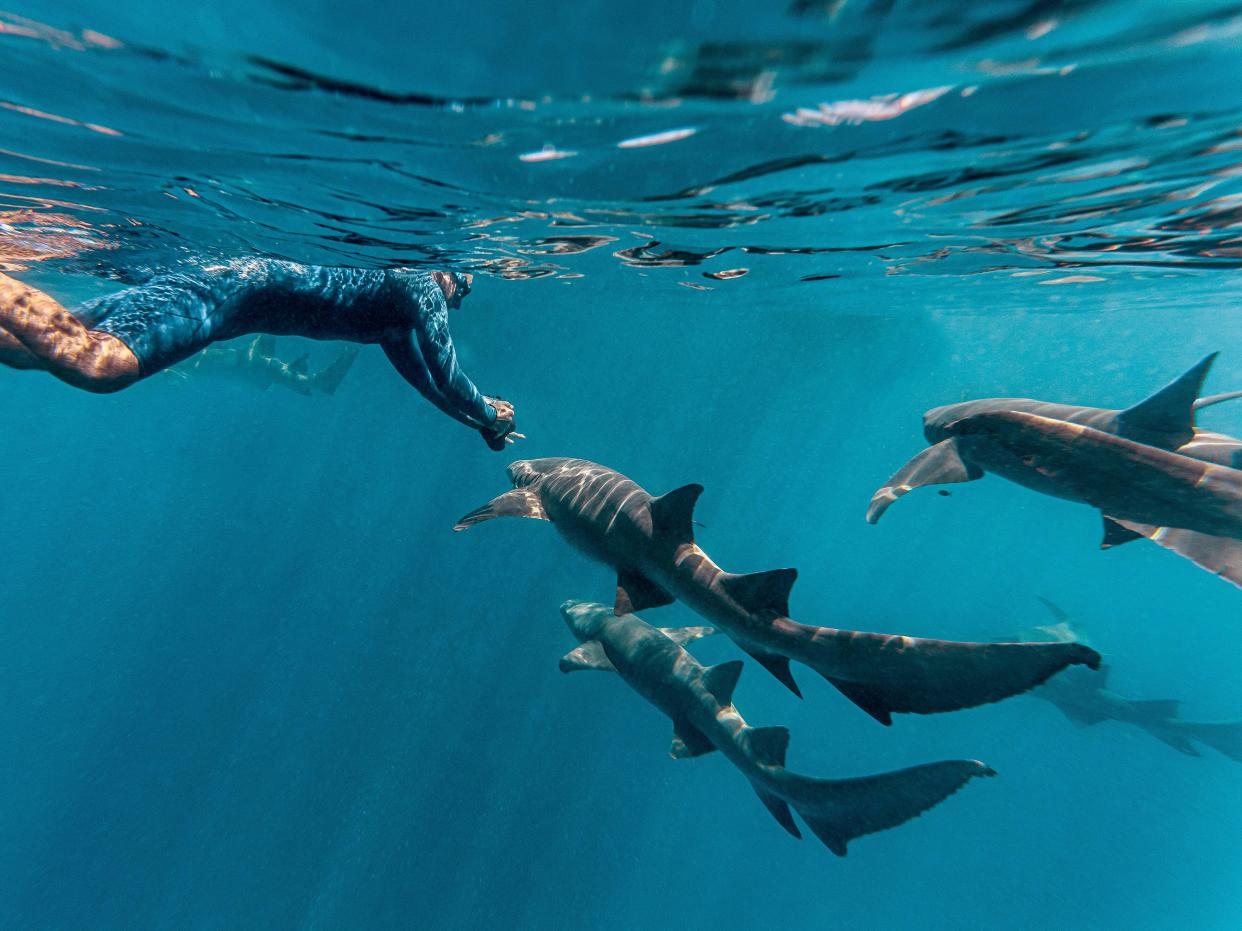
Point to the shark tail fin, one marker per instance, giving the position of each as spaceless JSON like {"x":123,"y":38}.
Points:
{"x":1169,"y":413}
{"x":1223,"y":736}
{"x":1179,"y":741}
{"x":930,"y":676}
{"x":1157,"y":707}
{"x":329,"y":379}
{"x":1058,"y":613}
{"x":941,"y":464}
{"x":839,"y":810}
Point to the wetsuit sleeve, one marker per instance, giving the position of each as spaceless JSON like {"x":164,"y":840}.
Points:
{"x":425,"y":357}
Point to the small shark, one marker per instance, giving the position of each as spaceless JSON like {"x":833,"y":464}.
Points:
{"x":1148,"y":469}
{"x":650,"y":542}
{"x":257,"y":363}
{"x":1086,"y":700}
{"x":699,"y":700}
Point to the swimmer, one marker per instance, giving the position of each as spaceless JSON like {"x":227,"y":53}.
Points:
{"x":111,"y":342}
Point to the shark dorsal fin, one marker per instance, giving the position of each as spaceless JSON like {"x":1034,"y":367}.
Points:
{"x":721,"y":680}
{"x":300,"y":365}
{"x":683,"y":635}
{"x":688,"y":741}
{"x":672,"y":515}
{"x":1170,"y":412}
{"x":762,"y":591}
{"x":768,"y":744}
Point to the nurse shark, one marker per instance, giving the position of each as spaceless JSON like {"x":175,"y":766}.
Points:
{"x":650,"y":543}
{"x":699,"y":700}
{"x":1087,"y":700}
{"x":1149,"y":470}
{"x":256,"y":362}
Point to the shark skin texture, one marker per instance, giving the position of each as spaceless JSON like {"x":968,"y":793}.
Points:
{"x":650,"y":543}
{"x":1148,"y":469}
{"x":699,"y":701}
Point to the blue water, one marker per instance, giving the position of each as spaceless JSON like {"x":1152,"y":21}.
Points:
{"x":250,"y":679}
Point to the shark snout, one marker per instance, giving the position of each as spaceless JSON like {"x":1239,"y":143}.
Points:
{"x":584,"y":617}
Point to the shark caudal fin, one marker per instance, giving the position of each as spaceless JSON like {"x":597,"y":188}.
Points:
{"x":1223,"y":737}
{"x":910,"y":675}
{"x":521,"y":502}
{"x":1167,"y":418}
{"x":1221,"y":555}
{"x":839,"y":810}
{"x":941,"y":464}
{"x":329,"y":379}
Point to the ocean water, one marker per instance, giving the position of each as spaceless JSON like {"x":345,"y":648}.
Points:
{"x":249,"y":678}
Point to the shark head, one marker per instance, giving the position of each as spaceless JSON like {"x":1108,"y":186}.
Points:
{"x":937,"y":420}
{"x":585,"y":619}
{"x":526,"y":472}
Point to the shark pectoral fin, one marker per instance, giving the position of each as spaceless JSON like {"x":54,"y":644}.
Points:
{"x":636,"y":592}
{"x":768,"y":744}
{"x":869,"y":699}
{"x":720,"y":680}
{"x":760,"y":592}
{"x":1158,"y":707}
{"x":300,"y":365}
{"x":521,"y":502}
{"x":779,"y":809}
{"x":589,"y":655}
{"x":688,"y":741}
{"x":1116,"y":534}
{"x":777,"y":665}
{"x":1169,"y":413}
{"x":672,"y":515}
{"x":1222,"y":555}
{"x":1178,"y":742}
{"x":683,"y":635}
{"x":941,"y":464}
{"x":839,"y":810}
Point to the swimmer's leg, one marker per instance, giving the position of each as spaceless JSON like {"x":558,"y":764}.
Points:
{"x":55,"y":340}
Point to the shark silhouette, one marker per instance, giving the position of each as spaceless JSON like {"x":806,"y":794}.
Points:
{"x":699,"y":700}
{"x":650,"y":542}
{"x":1149,"y":470}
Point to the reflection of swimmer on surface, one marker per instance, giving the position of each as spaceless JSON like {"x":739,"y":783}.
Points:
{"x":111,"y":342}
{"x":256,"y":362}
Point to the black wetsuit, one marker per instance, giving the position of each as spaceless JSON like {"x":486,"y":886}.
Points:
{"x":171,"y":317}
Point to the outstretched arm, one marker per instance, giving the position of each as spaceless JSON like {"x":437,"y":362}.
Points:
{"x":464,"y":405}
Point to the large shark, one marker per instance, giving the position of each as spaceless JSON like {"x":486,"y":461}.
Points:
{"x":699,"y":700}
{"x":256,"y":362}
{"x":1086,"y":700}
{"x":650,"y":542}
{"x":1148,"y":469}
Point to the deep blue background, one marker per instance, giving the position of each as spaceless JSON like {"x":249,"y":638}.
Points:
{"x":249,"y":678}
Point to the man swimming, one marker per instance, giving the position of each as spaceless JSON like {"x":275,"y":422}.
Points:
{"x":111,"y":342}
